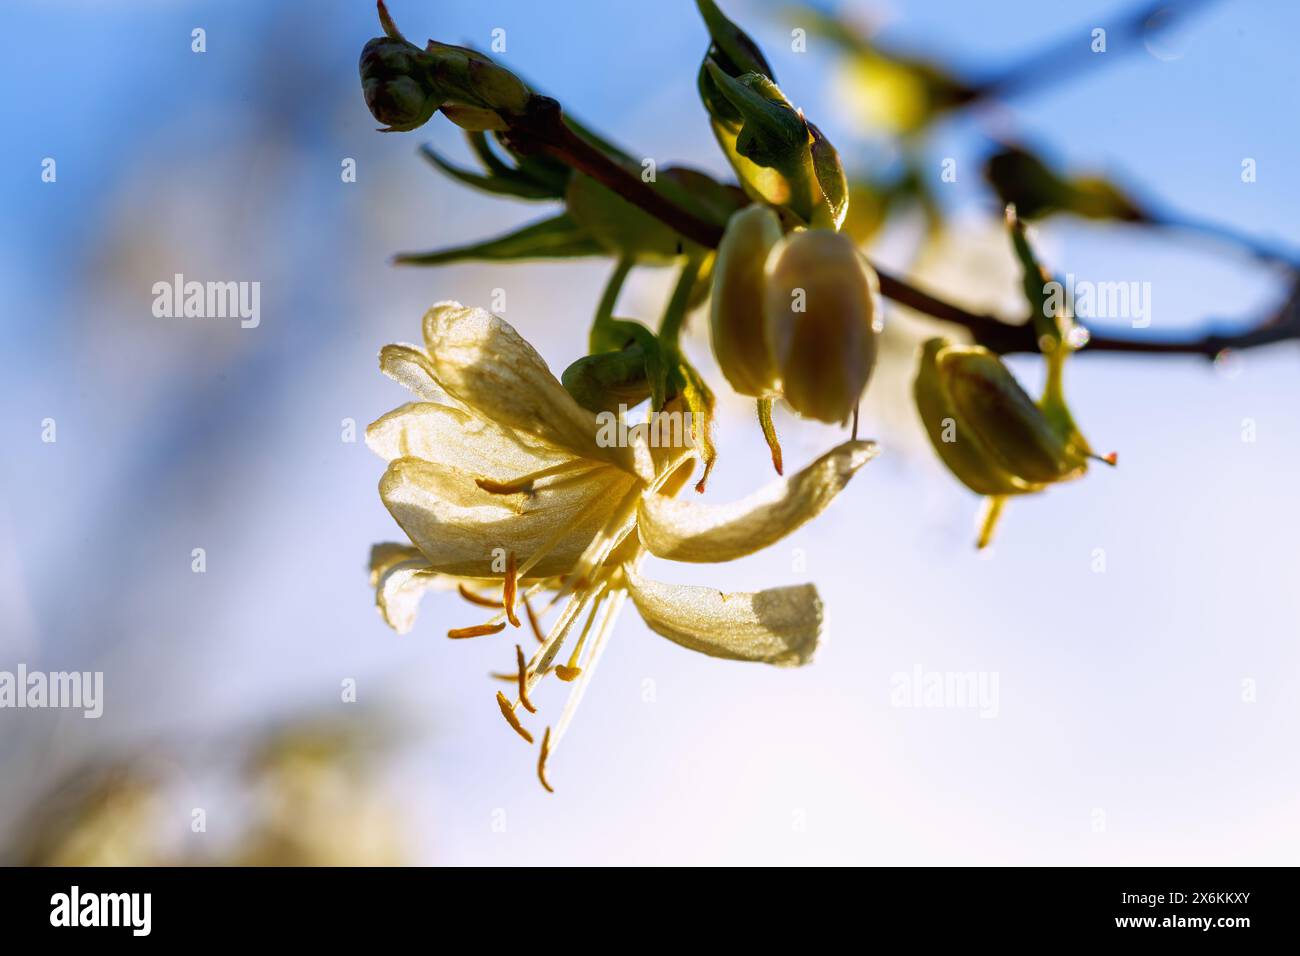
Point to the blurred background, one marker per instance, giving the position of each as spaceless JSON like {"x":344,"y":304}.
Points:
{"x":1147,"y":704}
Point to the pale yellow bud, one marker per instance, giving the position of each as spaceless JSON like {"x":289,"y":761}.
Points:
{"x":823,"y":314}
{"x":740,"y":340}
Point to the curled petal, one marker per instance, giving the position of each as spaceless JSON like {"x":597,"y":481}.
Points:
{"x":408,"y":366}
{"x":441,"y":433}
{"x":485,"y":364}
{"x":387,"y":555}
{"x":466,"y":531}
{"x":684,"y":530}
{"x":399,"y":590}
{"x":778,"y":626}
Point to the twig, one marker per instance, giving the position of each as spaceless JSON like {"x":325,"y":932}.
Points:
{"x":543,"y":128}
{"x":1061,"y":59}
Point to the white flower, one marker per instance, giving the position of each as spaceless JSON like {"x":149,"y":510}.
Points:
{"x":502,"y":484}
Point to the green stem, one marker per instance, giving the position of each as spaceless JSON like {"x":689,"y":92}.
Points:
{"x":602,"y":326}
{"x":670,"y":327}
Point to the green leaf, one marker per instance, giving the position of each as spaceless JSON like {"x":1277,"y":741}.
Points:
{"x":493,"y":163}
{"x":556,"y":238}
{"x":741,"y":52}
{"x":625,"y":230}
{"x":502,"y":184}
{"x":830,"y":177}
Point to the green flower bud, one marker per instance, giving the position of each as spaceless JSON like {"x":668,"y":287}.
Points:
{"x":989,"y":400}
{"x":404,"y":85}
{"x":957,"y":444}
{"x":771,"y":132}
{"x":823,"y":316}
{"x":740,"y":340}
{"x":992,"y":436}
{"x":1037,"y":190}
{"x":736,"y":54}
{"x":471,"y":79}
{"x":603,"y":382}
{"x":396,"y":84}
{"x":732,"y":45}
{"x":779,"y":157}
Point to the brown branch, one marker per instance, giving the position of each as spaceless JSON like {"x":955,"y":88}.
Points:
{"x":543,"y":128}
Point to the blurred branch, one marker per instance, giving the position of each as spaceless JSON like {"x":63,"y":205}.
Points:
{"x":1060,"y":60}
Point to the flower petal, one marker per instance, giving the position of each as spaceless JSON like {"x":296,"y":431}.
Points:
{"x":688,"y":531}
{"x":778,"y":626}
{"x":400,"y":588}
{"x":437,"y":432}
{"x":463,"y":530}
{"x":485,"y":364}
{"x":408,"y":366}
{"x":389,"y":554}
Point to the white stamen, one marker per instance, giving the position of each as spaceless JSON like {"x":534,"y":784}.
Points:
{"x":589,"y":668}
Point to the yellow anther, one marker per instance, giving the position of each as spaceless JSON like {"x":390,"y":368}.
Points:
{"x":512,"y":677}
{"x":478,"y":630}
{"x":508,"y":711}
{"x":508,"y":590}
{"x":533,"y":622}
{"x":541,"y":760}
{"x":476,"y":599}
{"x":567,"y":673}
{"x":523,"y":680}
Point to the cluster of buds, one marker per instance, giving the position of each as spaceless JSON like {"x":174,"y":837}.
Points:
{"x":405,"y":85}
{"x":794,"y":316}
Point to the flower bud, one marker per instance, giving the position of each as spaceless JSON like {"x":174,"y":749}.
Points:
{"x":471,"y":79}
{"x":823,"y":315}
{"x":956,"y":443}
{"x":404,"y":85}
{"x":735,"y":53}
{"x":1017,"y":434}
{"x":1037,"y":190}
{"x":740,"y":340}
{"x":396,"y":84}
{"x":603,"y":382}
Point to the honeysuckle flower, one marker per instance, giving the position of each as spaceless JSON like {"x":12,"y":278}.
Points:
{"x":502,"y":485}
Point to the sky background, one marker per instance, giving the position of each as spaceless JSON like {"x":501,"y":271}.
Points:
{"x":1121,"y":734}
